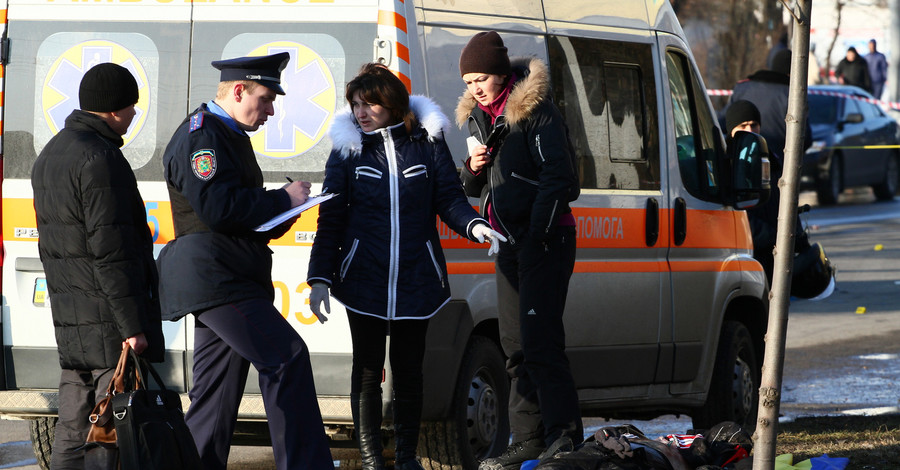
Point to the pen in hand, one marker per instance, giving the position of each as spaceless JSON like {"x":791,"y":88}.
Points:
{"x":289,"y":179}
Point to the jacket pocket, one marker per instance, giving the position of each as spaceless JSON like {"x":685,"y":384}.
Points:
{"x":434,"y":261}
{"x":416,"y":170}
{"x":345,"y":265}
{"x":368,"y":171}
{"x":527,"y":180}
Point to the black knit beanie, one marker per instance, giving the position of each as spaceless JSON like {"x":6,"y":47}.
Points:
{"x":485,"y":53}
{"x":739,"y":112}
{"x":107,"y":87}
{"x":781,"y":62}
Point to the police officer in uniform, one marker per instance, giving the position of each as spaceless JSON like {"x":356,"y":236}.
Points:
{"x":219,"y":269}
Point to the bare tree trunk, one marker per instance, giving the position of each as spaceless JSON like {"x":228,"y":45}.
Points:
{"x":773,"y":362}
{"x":838,"y":6}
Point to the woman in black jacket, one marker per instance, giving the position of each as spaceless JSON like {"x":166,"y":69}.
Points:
{"x":377,"y":246}
{"x":521,"y":165}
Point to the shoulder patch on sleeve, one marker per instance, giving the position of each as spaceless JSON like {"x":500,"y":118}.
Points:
{"x":196,"y":122}
{"x":203,"y":163}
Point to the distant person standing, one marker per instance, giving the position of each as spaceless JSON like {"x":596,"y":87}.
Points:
{"x":97,"y":253}
{"x":877,"y":69}
{"x":853,"y":70}
{"x":768,"y":90}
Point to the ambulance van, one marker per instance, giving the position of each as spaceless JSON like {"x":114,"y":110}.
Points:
{"x":666,"y":311}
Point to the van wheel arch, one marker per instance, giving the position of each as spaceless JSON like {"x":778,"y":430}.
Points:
{"x":478,"y":425}
{"x":734,"y":388}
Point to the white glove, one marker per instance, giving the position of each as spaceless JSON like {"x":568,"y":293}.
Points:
{"x":481,"y":231}
{"x":318,"y":294}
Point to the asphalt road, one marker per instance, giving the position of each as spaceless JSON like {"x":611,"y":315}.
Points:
{"x":841,"y":353}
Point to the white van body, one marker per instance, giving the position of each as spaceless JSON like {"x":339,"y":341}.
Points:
{"x":666,"y":310}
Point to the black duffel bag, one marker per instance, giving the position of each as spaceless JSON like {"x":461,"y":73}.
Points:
{"x":150,"y":428}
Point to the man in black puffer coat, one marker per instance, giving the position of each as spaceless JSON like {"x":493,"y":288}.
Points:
{"x":97,"y":253}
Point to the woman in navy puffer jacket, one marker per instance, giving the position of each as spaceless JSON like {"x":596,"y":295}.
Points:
{"x":377,"y":246}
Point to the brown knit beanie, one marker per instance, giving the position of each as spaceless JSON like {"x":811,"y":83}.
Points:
{"x":485,"y":53}
{"x":107,"y":87}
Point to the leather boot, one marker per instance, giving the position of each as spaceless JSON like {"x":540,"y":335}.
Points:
{"x":407,"y":418}
{"x":366,"y":409}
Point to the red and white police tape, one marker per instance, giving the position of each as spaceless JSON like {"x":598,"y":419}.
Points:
{"x":886,"y":104}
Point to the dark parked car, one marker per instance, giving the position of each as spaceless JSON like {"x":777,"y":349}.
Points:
{"x":855,"y":143}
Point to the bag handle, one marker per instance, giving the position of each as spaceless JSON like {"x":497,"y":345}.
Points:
{"x":141,"y":365}
{"x":117,"y":384}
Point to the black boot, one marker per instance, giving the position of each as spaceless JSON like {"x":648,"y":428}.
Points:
{"x":366,"y":409}
{"x":407,"y":418}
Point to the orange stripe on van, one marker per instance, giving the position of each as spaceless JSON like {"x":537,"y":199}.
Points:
{"x":2,"y":16}
{"x":402,"y":52}
{"x":390,"y":18}
{"x":487,"y":267}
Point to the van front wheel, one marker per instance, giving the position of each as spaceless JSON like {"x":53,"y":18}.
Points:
{"x":478,"y":426}
{"x":734,"y":388}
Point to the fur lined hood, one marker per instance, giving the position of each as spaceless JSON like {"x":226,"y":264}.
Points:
{"x":347,"y":136}
{"x":527,"y":93}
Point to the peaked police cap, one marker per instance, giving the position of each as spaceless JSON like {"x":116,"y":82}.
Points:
{"x":265,"y":70}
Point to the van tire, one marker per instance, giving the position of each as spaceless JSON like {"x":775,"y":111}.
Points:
{"x":478,"y":426}
{"x":734,"y":388}
{"x":42,"y":432}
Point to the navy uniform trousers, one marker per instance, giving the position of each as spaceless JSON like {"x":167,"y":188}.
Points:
{"x":227,"y":339}
{"x":532,"y":284}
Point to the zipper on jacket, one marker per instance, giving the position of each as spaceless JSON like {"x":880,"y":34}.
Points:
{"x":537,"y":143}
{"x":368,"y":171}
{"x":345,"y":265}
{"x":437,"y":267}
{"x":552,"y":218}
{"x":416,"y":170}
{"x":509,"y":236}
{"x":527,"y":180}
{"x":390,"y":154}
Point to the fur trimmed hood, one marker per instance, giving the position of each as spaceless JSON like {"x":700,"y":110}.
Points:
{"x":527,"y":93}
{"x":347,"y":136}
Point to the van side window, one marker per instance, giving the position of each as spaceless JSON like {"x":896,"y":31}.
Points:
{"x":605,"y":91}
{"x":694,"y":129}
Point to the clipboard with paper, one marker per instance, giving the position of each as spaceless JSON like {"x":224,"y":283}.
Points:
{"x":294,"y":211}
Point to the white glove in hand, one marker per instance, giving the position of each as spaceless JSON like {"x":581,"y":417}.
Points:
{"x":481,"y":231}
{"x":318,"y":295}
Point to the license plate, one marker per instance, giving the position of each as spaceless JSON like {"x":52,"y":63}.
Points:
{"x":40,"y":298}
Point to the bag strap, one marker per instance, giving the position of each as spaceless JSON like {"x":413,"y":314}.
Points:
{"x":117,"y":382}
{"x":141,"y":365}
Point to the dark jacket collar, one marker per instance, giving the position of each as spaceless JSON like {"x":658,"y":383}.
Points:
{"x":84,"y":121}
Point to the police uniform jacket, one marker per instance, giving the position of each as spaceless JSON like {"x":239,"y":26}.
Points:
{"x":216,"y":189}
{"x":532,"y":177}
{"x":377,"y":243}
{"x":95,"y":246}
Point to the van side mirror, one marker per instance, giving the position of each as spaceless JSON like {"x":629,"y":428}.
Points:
{"x":750,"y":172}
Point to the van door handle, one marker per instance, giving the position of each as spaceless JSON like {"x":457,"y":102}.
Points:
{"x":679,"y":225}
{"x":652,"y":223}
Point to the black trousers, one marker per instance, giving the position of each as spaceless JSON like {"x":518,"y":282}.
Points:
{"x":79,"y":391}
{"x":227,"y":339}
{"x":407,"y":353}
{"x":532,"y":284}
